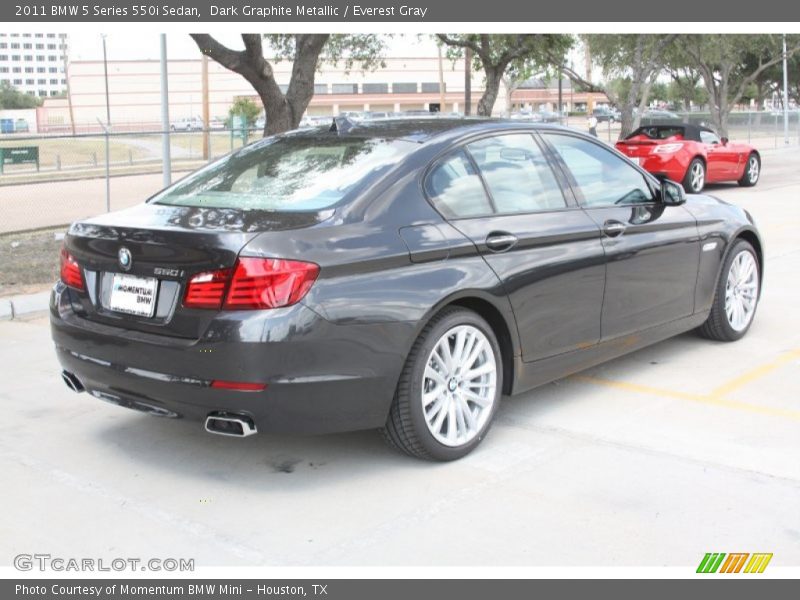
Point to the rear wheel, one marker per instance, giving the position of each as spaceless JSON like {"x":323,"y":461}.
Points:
{"x":752,"y":171}
{"x":449,"y":390}
{"x":736,"y":296}
{"x":695,"y":179}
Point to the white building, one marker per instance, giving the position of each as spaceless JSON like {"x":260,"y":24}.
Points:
{"x":34,"y":62}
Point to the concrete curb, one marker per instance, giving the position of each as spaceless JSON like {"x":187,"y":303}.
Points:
{"x":16,"y":306}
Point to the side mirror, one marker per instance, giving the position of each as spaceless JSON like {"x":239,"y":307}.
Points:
{"x":672,"y":193}
{"x":724,"y":141}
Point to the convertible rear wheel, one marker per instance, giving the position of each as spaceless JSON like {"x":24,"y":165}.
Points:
{"x":449,"y":390}
{"x":736,"y":296}
{"x":695,"y":179}
{"x":752,"y":171}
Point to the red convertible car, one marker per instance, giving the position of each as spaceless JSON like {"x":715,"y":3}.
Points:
{"x":691,"y":154}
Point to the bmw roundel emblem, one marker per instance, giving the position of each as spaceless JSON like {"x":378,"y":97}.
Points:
{"x":124,"y":257}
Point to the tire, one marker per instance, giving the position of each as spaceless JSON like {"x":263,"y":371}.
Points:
{"x":720,"y":325}
{"x":695,"y":179}
{"x":752,"y":171}
{"x":407,"y":429}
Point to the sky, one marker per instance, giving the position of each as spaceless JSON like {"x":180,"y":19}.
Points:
{"x":139,"y":46}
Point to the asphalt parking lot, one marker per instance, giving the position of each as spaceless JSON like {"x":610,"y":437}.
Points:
{"x":654,"y":459}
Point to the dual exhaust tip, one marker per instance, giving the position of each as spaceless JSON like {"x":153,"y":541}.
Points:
{"x":219,"y":423}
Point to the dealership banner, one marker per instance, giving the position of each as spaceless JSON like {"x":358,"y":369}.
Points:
{"x":394,"y":589}
{"x":376,"y":11}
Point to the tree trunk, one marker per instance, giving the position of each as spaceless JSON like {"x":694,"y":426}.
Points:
{"x":283,"y":112}
{"x":490,"y":92}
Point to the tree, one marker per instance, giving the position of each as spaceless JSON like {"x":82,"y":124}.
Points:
{"x":496,"y":53}
{"x":245,"y":108}
{"x":637,"y":60}
{"x":284,"y":110}
{"x":730,"y":64}
{"x":685,"y":87}
{"x":11,"y":97}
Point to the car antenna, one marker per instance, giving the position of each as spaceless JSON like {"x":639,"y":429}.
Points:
{"x":341,"y":124}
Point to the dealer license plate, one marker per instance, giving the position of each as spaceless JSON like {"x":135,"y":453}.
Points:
{"x":133,"y":295}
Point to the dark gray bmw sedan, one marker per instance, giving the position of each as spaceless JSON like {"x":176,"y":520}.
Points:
{"x":397,"y":274}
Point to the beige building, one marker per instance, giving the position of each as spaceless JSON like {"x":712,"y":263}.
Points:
{"x":135,"y":94}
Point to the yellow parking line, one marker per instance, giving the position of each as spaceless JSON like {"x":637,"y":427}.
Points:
{"x":713,"y":400}
{"x":754,"y":374}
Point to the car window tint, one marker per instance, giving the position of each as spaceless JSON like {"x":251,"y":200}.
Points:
{"x":455,"y":188}
{"x":603,"y":178}
{"x":517,"y":174}
{"x":709,"y":137}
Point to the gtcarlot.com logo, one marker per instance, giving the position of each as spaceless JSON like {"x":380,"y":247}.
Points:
{"x":47,"y":562}
{"x":736,"y":562}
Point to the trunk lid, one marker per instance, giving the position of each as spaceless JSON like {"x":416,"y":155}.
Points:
{"x":166,"y":245}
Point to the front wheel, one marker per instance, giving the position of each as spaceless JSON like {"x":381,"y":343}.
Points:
{"x":736,"y":295}
{"x":449,"y":390}
{"x":752,"y":171}
{"x":695,"y":179}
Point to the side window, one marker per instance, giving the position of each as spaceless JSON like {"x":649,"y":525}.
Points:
{"x":604,"y":179}
{"x":709,"y":137}
{"x":455,"y":188}
{"x":517,"y":174}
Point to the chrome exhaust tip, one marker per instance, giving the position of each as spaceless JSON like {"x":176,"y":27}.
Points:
{"x":72,"y":382}
{"x":230,"y":424}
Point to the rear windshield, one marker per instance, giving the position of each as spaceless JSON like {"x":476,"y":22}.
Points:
{"x":289,"y":173}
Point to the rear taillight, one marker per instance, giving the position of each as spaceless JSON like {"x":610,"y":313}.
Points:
{"x":667,"y":148}
{"x":207,"y":290}
{"x":269,"y":283}
{"x":70,"y":271}
{"x":253,"y":283}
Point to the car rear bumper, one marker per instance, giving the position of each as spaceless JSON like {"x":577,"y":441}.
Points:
{"x":663,"y":166}
{"x":320,"y":377}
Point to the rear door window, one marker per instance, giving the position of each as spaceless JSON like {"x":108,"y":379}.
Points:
{"x":456,"y":190}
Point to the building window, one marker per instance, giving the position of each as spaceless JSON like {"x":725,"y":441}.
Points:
{"x":41,"y":70}
{"x":29,"y":82}
{"x":38,"y":35}
{"x":41,"y":82}
{"x":54,"y":82}
{"x":52,"y":70}
{"x":429,"y":87}
{"x":40,"y":46}
{"x":51,"y":46}
{"x":18,"y":82}
{"x":404,"y":88}
{"x":320,"y":88}
{"x":3,"y":57}
{"x":344,"y":88}
{"x":375,"y":88}
{"x":52,"y":58}
{"x":15,"y":46}
{"x":42,"y":93}
{"x":15,"y":57}
{"x":54,"y":92}
{"x":29,"y":69}
{"x":28,"y":57}
{"x":51,"y":35}
{"x":3,"y":69}
{"x":63,"y":82}
{"x":3,"y":46}
{"x":17,"y":69}
{"x":27,"y":46}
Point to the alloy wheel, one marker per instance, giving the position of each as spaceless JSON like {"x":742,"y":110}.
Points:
{"x":741,"y":291}
{"x":698,"y":176}
{"x":459,"y":385}
{"x":753,"y":169}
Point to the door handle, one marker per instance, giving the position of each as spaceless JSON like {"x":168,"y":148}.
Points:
{"x":500,"y":241}
{"x":613,"y":228}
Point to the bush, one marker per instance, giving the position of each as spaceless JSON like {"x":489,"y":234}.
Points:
{"x":246,"y":108}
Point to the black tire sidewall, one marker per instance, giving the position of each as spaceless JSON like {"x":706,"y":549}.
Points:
{"x":437,"y":450}
{"x":745,"y":180}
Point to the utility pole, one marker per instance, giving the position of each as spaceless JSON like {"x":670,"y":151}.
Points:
{"x":785,"y":95}
{"x":69,"y":88}
{"x":588,"y":60}
{"x":468,"y":82}
{"x":206,"y":110}
{"x":560,"y":94}
{"x":107,"y":128}
{"x":165,"y":149}
{"x":441,"y":81}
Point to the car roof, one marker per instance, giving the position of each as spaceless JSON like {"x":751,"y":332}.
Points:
{"x":690,"y":130}
{"x":417,"y":129}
